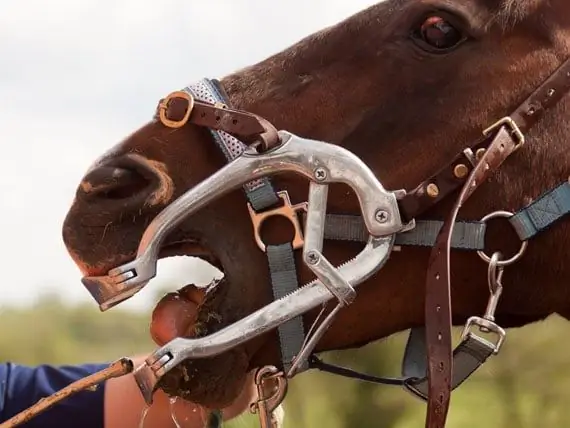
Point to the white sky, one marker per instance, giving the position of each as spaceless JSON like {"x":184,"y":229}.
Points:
{"x":96,"y":68}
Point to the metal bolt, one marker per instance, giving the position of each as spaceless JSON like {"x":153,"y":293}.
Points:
{"x":312,"y":257}
{"x":460,"y":170}
{"x":381,"y":216}
{"x":320,"y":174}
{"x":432,"y":190}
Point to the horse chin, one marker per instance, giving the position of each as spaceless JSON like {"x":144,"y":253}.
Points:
{"x":194,"y":311}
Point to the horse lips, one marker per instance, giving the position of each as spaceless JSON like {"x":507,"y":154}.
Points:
{"x":214,"y":382}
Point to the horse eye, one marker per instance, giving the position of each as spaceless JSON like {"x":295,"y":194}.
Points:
{"x":438,"y":34}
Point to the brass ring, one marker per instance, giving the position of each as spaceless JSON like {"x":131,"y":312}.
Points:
{"x":163,"y":107}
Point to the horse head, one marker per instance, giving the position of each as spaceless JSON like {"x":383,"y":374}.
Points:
{"x":406,"y":86}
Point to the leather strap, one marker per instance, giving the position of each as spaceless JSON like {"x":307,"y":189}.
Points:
{"x":438,"y":299}
{"x":180,"y":108}
{"x":507,"y":139}
{"x":450,"y":178}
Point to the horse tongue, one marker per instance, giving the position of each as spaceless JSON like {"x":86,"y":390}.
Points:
{"x":176,"y":314}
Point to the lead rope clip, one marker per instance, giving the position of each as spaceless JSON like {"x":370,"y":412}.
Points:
{"x":271,"y":390}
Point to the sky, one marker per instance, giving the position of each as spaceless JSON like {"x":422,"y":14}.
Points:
{"x":76,"y":77}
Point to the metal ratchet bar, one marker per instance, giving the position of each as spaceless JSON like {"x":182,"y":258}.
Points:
{"x":119,"y":368}
{"x":316,"y":160}
{"x":312,"y":250}
{"x":364,"y":265}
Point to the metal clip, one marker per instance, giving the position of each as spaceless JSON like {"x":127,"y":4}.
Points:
{"x":269,"y":397}
{"x":487,"y":323}
{"x":288,"y":211}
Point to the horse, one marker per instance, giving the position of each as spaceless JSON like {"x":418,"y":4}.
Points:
{"x":407,"y":87}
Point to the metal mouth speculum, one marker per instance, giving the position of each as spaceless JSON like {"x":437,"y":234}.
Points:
{"x":322,"y":164}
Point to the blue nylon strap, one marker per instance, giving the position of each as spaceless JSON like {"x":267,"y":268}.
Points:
{"x":543,"y":212}
{"x":284,"y":280}
{"x":467,"y":235}
{"x":261,"y":195}
{"x":468,"y":357}
{"x":260,"y":192}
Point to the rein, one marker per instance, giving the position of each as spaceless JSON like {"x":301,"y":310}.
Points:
{"x":431,"y":369}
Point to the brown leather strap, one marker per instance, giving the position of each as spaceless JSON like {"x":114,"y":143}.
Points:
{"x":454,"y":174}
{"x":508,"y":136}
{"x":438,"y":283}
{"x":440,"y":185}
{"x":180,"y":108}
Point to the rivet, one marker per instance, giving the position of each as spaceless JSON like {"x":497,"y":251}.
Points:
{"x":460,"y":170}
{"x":432,"y":190}
{"x":551,"y":92}
{"x":479,"y":154}
{"x":531,"y":111}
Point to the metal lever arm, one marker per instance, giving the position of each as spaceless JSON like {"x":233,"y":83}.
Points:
{"x":364,"y":265}
{"x":312,"y":251}
{"x":316,"y":160}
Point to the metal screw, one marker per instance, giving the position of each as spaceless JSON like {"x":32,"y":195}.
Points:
{"x":320,"y":174}
{"x":381,"y":216}
{"x":312,"y":257}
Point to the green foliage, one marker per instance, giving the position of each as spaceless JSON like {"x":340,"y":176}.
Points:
{"x":525,"y":386}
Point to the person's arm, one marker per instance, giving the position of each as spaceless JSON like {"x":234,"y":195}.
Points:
{"x":124,"y":405}
{"x":115,"y":404}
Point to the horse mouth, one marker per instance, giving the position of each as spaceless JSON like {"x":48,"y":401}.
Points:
{"x":193,"y":311}
{"x":102,"y":285}
{"x":177,"y":313}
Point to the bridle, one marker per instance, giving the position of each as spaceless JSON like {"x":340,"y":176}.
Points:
{"x":389,"y":219}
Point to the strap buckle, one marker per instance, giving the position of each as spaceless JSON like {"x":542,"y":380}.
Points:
{"x":163,"y":108}
{"x":485,"y":326}
{"x":515,"y":131}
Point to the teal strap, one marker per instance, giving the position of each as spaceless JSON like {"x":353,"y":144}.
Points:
{"x":543,"y":212}
{"x":259,"y":192}
{"x":467,"y":235}
{"x":261,"y":195}
{"x":284,"y":281}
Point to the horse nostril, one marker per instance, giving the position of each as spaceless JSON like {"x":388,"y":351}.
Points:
{"x":108,"y":182}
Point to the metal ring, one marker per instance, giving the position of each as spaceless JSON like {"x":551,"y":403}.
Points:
{"x":517,"y":256}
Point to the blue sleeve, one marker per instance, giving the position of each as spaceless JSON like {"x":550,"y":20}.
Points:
{"x":22,"y":386}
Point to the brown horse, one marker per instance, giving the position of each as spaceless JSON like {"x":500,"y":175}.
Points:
{"x":405,"y":85}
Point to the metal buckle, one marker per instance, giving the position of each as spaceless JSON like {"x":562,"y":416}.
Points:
{"x":163,"y":107}
{"x":485,"y":326}
{"x":515,"y":130}
{"x":286,"y":210}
